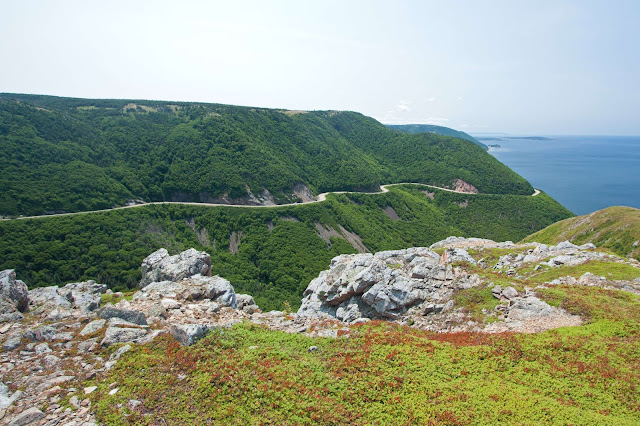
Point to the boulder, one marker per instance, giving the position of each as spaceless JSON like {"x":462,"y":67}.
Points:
{"x":385,"y":285}
{"x":509,"y":293}
{"x":11,"y":343}
{"x":14,"y":292}
{"x":93,"y":326}
{"x":566,"y":245}
{"x":5,"y":399}
{"x":135,"y":317}
{"x":157,"y":310}
{"x":41,"y":334}
{"x":524,"y":308}
{"x":115,"y":335}
{"x":27,"y":417}
{"x":456,"y":255}
{"x":159,"y":266}
{"x":87,"y":346}
{"x":216,"y":288}
{"x":188,"y":334}
{"x":49,"y":296}
{"x":84,"y":296}
{"x":246,"y":303}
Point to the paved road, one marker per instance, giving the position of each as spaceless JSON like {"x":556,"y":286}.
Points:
{"x":321,"y":197}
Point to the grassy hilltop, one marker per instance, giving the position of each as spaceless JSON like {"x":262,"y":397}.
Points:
{"x":616,"y":228}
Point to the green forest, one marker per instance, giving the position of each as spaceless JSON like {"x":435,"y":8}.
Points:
{"x":68,"y":155}
{"x":280,"y":249}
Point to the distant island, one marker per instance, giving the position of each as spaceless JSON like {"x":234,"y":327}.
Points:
{"x":440,"y":130}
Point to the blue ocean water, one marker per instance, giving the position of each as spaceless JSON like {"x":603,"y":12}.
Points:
{"x":583,"y":173}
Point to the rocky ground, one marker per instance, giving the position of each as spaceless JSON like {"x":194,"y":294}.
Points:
{"x":56,"y":338}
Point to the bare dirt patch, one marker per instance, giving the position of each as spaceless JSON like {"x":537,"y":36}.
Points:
{"x":391,"y":213}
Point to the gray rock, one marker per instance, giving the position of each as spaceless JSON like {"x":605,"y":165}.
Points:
{"x":509,"y":293}
{"x":457,"y":255}
{"x":170,"y":303}
{"x":188,"y":334}
{"x":119,"y":322}
{"x":566,"y":245}
{"x":246,"y":303}
{"x":135,"y":317}
{"x":157,"y":310}
{"x":42,"y":348}
{"x":41,"y":334}
{"x":159,"y":266}
{"x":218,"y":289}
{"x":524,"y":308}
{"x":63,"y":337}
{"x":27,"y":417}
{"x":115,"y":335}
{"x":447,"y":306}
{"x":58,"y":314}
{"x":50,"y":360}
{"x":11,"y":343}
{"x":93,"y":326}
{"x":160,"y":290}
{"x":88,"y":345}
{"x":84,"y":295}
{"x":11,"y":316}
{"x":13,"y":291}
{"x":384,"y":285}
{"x":496,"y":291}
{"x":119,"y":352}
{"x":49,"y":296}
{"x":5,"y":399}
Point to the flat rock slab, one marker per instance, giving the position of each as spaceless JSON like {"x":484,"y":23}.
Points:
{"x":27,"y":417}
{"x":188,"y":334}
{"x":135,"y":317}
{"x":115,"y":335}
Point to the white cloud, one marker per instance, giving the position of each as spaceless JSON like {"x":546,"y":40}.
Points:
{"x":432,"y":99}
{"x":403,"y":106}
{"x":438,"y":121}
{"x":460,"y":98}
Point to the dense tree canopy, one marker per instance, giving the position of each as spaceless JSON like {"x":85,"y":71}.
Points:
{"x":280,"y":248}
{"x":65,"y":154}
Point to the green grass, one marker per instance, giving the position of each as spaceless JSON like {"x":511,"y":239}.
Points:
{"x":388,"y":374}
{"x":116,"y":297}
{"x":609,"y":270}
{"x":475,"y":299}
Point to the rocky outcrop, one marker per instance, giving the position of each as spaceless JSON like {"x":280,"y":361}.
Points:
{"x":385,"y":285}
{"x":14,"y":296}
{"x":159,"y":266}
{"x":188,"y":334}
{"x":461,"y":186}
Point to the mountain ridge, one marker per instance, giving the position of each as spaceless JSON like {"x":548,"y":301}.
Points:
{"x":67,"y":154}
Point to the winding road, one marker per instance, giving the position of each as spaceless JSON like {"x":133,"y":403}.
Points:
{"x":321,"y":197}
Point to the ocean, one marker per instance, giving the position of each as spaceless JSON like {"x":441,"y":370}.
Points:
{"x":583,"y":173}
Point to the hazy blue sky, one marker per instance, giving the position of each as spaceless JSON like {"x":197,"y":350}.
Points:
{"x":539,"y":67}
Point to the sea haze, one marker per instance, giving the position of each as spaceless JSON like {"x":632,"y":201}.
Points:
{"x":584,"y":173}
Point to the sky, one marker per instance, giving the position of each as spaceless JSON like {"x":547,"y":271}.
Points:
{"x":521,"y":67}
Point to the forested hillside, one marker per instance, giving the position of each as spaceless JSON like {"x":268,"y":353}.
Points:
{"x":440,"y":130}
{"x":65,"y":154}
{"x":270,"y":253}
